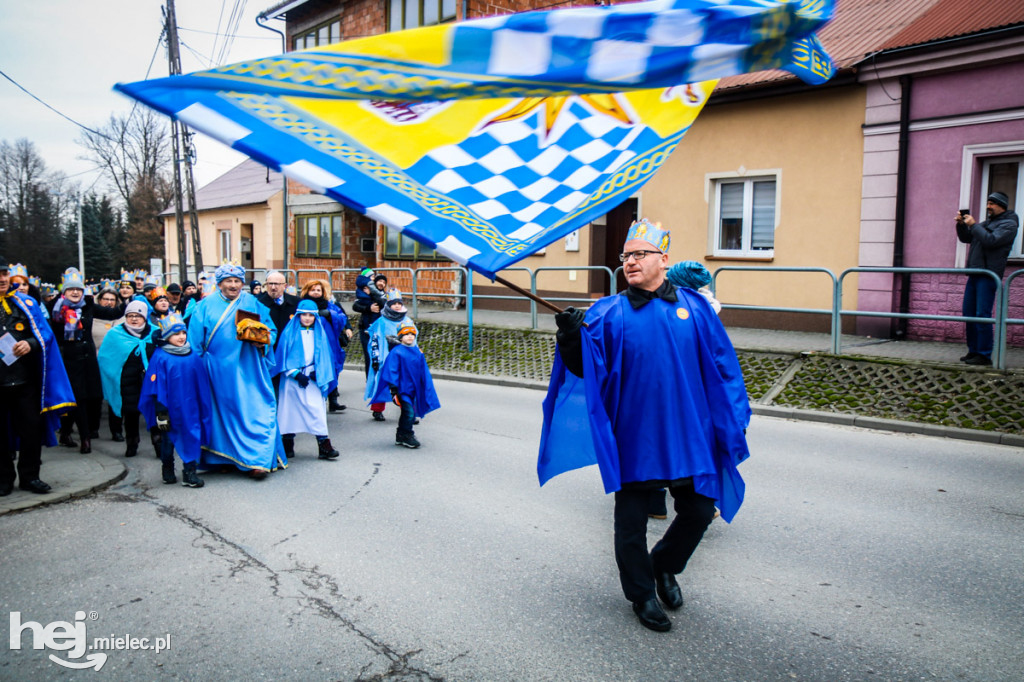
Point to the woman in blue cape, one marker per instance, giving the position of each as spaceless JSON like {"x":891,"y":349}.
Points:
{"x":123,"y":359}
{"x":244,"y":428}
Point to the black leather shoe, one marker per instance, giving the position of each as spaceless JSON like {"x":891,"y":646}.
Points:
{"x":336,"y":407}
{"x":36,"y":486}
{"x":979,"y":360}
{"x":652,"y":616}
{"x":965,"y":358}
{"x":378,"y":416}
{"x":67,"y":441}
{"x":668,"y":590}
{"x":6,"y":489}
{"x":86,"y":447}
{"x":117,"y":437}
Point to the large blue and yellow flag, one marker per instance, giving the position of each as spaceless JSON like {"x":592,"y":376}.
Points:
{"x":489,"y":139}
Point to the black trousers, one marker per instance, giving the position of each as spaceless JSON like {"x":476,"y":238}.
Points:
{"x":19,"y":415}
{"x":637,"y":566}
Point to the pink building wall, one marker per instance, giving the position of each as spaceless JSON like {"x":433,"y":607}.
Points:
{"x":950,"y":112}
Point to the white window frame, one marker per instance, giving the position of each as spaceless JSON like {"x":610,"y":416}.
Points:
{"x":713,"y":195}
{"x":973,"y":155}
{"x":986,"y":163}
{"x":224,"y":238}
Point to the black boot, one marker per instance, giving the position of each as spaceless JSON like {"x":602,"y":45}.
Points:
{"x":406,"y":439}
{"x":189,"y":478}
{"x":117,"y":437}
{"x":67,"y":441}
{"x":288,"y":440}
{"x":131,"y":447}
{"x":86,"y":446}
{"x":335,"y":406}
{"x":168,"y":471}
{"x":327,"y":451}
{"x":156,"y":439}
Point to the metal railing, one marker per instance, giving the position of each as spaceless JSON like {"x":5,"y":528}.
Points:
{"x":832,"y":311}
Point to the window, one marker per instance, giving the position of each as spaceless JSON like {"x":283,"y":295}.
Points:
{"x":225,"y":245}
{"x":318,"y":36}
{"x":1006,"y":175}
{"x":399,"y":247}
{"x":412,"y":13}
{"x":318,"y":235}
{"x":743,"y":217}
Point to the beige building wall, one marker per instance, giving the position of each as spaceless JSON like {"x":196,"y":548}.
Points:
{"x":814,"y":141}
{"x":267,"y":234}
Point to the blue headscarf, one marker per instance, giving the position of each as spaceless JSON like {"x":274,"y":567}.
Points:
{"x":228,"y":270}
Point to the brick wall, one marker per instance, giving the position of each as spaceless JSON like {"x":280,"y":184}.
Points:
{"x":942,"y":294}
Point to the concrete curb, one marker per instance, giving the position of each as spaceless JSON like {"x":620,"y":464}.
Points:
{"x":71,"y":474}
{"x":859,"y":421}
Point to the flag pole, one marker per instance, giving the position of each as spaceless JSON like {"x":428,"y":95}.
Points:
{"x":528,"y":294}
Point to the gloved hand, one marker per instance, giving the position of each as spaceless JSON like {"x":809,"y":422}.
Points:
{"x":376,"y":365}
{"x":163,"y":421}
{"x":325,"y":315}
{"x":302,"y":379}
{"x":569,"y":321}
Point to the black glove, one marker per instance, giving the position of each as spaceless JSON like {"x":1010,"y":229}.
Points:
{"x":302,"y":379}
{"x":163,"y":421}
{"x":569,"y":322}
{"x":325,"y":315}
{"x":312,"y":376}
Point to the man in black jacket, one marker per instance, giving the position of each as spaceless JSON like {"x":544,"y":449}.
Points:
{"x":990,"y":242}
{"x":282,"y":305}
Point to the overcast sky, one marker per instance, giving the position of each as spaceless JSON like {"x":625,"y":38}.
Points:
{"x":70,"y":53}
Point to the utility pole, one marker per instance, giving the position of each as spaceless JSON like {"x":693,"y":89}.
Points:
{"x":181,"y":146}
{"x":81,"y":245}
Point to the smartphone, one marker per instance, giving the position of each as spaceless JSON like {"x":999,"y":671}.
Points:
{"x":965,"y":211}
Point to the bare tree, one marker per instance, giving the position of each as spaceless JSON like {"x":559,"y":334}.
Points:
{"x":134,"y":150}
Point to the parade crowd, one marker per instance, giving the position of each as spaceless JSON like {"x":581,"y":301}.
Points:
{"x":223,"y":374}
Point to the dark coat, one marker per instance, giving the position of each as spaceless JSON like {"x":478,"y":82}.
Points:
{"x":282,"y":313}
{"x":79,"y":356}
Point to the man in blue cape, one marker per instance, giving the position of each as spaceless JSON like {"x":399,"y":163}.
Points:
{"x":34,"y":389}
{"x":649,"y":389}
{"x":244,"y":421}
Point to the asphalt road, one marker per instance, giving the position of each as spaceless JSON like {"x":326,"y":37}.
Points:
{"x":857,"y":555}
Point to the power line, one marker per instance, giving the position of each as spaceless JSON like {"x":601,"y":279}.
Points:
{"x":59,"y":113}
{"x":228,"y":35}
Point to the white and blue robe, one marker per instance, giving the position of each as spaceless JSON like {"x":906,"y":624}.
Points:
{"x":244,"y":429}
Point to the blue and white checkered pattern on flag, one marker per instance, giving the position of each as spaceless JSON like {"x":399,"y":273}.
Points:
{"x":490,"y":139}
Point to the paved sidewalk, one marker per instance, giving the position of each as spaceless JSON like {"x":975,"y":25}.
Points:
{"x":70,"y":474}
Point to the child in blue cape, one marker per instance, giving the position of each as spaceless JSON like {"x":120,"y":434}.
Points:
{"x":305,"y":358}
{"x":176,"y":399}
{"x":405,"y":378}
{"x":123,"y":359}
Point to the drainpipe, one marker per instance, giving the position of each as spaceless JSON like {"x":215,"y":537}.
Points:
{"x":899,"y":325}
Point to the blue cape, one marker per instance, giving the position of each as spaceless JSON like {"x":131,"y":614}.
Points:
{"x":57,"y":396}
{"x":662,"y":401}
{"x":291,"y":356}
{"x":179,"y":383}
{"x":406,"y":369}
{"x":244,"y":428}
{"x":378,"y":350}
{"x":117,"y":346}
{"x":339,"y":322}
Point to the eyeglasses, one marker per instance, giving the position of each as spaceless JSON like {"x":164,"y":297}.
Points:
{"x":637,"y":255}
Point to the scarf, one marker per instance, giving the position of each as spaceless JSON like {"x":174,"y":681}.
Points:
{"x":70,"y":314}
{"x":393,"y":315}
{"x":178,"y":350}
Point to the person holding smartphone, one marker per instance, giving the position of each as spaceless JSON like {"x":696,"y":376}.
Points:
{"x":990,"y":243}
